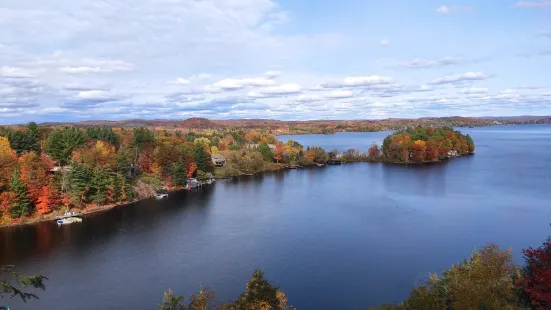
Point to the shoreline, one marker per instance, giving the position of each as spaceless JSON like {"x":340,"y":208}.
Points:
{"x":95,"y":209}
{"x":86,"y":211}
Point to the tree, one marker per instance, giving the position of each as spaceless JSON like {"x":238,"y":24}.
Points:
{"x":374,"y":152}
{"x":34,"y":173}
{"x":535,"y":283}
{"x":179,"y":174}
{"x":172,"y":302}
{"x":102,"y":134}
{"x":62,"y":142}
{"x":79,"y":180}
{"x":279,"y":152}
{"x":485,"y":281}
{"x":12,"y":284}
{"x":21,"y":206}
{"x":266,"y":152}
{"x":43,"y":205}
{"x":99,"y":186}
{"x":260,"y":294}
{"x":8,"y":162}
{"x":201,"y":157}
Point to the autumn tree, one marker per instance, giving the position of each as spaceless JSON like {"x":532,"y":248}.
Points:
{"x":535,"y":283}
{"x":34,"y":173}
{"x":279,"y":152}
{"x":21,"y":205}
{"x":260,"y":294}
{"x":62,"y":142}
{"x":8,"y":162}
{"x":485,"y":281}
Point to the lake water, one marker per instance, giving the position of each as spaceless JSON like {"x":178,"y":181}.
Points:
{"x":339,"y":237}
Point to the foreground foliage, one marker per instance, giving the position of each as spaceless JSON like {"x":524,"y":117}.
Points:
{"x":12,"y":284}
{"x":259,"y":295}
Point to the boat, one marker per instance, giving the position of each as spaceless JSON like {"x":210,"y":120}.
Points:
{"x":292,"y":167}
{"x":320,"y":165}
{"x":68,"y":220}
{"x":161,"y":195}
{"x":248,"y":174}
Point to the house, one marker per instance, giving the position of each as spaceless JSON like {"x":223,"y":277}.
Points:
{"x":255,"y":146}
{"x":218,"y":160}
{"x":63,"y":169}
{"x":452,"y":153}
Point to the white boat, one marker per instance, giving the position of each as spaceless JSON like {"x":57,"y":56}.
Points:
{"x":69,"y":220}
{"x":161,"y":196}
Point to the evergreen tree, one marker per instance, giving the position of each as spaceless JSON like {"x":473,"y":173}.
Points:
{"x":62,"y":142}
{"x":21,"y":205}
{"x":79,"y":181}
{"x":103,"y":134}
{"x":100,"y":180}
{"x":201,"y":157}
{"x":266,"y":152}
{"x":117,"y":186}
{"x":179,"y":174}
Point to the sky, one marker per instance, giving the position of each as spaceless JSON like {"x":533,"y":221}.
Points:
{"x":69,"y":60}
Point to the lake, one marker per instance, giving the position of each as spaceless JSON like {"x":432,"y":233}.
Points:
{"x":338,"y":237}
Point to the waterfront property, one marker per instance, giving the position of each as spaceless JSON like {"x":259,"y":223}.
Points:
{"x":218,"y":160}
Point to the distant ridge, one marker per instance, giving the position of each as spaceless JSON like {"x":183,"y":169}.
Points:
{"x":202,"y":123}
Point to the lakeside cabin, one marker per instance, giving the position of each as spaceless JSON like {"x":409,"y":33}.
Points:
{"x":218,"y":160}
{"x":253,"y":146}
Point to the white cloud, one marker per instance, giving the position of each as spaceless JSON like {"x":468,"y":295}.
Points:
{"x":469,"y":76}
{"x":101,"y":66}
{"x":419,"y":63}
{"x":180,"y":81}
{"x":92,"y":95}
{"x":232,"y":84}
{"x":474,"y":90}
{"x":14,"y":72}
{"x":534,"y":4}
{"x":384,"y":42}
{"x":279,"y":90}
{"x":339,"y":94}
{"x":444,"y":9}
{"x":356,"y":81}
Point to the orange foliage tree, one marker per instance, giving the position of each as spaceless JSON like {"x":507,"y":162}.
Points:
{"x":34,"y":173}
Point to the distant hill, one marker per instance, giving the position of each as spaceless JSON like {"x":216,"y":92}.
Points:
{"x":279,"y":127}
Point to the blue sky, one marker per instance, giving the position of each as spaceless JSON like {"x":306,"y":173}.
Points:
{"x":287,"y":59}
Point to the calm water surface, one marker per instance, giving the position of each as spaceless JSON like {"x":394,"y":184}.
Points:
{"x":348,"y":236}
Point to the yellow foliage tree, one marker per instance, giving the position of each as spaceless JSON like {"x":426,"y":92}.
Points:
{"x":214,"y":150}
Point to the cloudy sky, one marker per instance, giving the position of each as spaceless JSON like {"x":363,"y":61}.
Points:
{"x":283,"y":59}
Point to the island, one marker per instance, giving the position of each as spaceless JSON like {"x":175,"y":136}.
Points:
{"x":423,"y":145}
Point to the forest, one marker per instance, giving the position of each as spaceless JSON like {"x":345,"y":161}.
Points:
{"x":425,"y":144}
{"x":45,"y":171}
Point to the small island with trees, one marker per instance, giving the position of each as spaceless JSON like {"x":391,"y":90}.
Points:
{"x":422,"y":145}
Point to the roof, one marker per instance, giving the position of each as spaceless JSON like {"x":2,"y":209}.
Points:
{"x":218,"y":157}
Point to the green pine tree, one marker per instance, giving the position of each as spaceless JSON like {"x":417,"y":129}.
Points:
{"x":22,"y":205}
{"x":179,"y":174}
{"x":116,"y":185}
{"x":201,"y":158}
{"x":62,"y":142}
{"x":79,"y":180}
{"x":100,"y":180}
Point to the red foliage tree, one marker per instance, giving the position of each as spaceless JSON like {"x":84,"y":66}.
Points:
{"x":43,"y":206}
{"x":536,"y":281}
{"x":191,"y":167}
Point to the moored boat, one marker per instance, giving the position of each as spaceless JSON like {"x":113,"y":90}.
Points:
{"x":68,"y":220}
{"x":161,"y":195}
